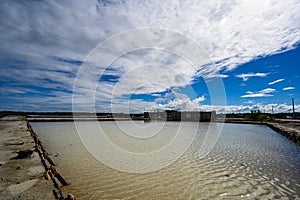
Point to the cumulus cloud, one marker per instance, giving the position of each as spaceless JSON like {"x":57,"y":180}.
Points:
{"x":277,"y":108}
{"x":246,"y":77}
{"x":173,"y":100}
{"x":44,"y":42}
{"x":262,"y":93}
{"x":276,"y":81}
{"x":183,"y":103}
{"x":288,"y":88}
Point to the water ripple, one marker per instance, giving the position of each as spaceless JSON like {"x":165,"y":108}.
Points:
{"x":251,"y":162}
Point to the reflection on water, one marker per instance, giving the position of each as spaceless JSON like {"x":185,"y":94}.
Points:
{"x":248,"y":161}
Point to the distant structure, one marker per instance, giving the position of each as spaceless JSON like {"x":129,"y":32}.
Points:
{"x":173,"y":115}
{"x":293,"y":103}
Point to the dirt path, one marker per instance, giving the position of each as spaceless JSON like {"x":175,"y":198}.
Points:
{"x":20,"y":178}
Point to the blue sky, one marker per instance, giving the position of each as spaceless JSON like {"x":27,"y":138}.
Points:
{"x":280,"y":72}
{"x":252,"y":47}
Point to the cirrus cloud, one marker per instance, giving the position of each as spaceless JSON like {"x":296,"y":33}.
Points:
{"x":246,"y":77}
{"x":276,"y":81}
{"x":288,"y":88}
{"x":268,"y":92}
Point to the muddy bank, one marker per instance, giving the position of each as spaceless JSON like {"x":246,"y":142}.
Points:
{"x":21,"y":170}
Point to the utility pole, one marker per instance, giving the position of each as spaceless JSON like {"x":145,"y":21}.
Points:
{"x":293,"y":103}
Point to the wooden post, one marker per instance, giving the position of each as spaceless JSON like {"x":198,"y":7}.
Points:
{"x":293,"y":108}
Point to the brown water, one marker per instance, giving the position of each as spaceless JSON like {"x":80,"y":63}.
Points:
{"x":248,"y":161}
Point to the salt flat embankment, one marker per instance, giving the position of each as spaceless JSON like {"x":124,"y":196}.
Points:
{"x":26,"y":169}
{"x":287,"y":128}
{"x":290,"y":130}
{"x":21,"y":175}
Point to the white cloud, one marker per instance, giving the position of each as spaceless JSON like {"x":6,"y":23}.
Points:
{"x":288,"y":88}
{"x":46,"y":38}
{"x":268,"y":90}
{"x":250,"y":102}
{"x":276,"y":81}
{"x":156,"y":72}
{"x":156,"y":95}
{"x":245,"y":77}
{"x":263,"y":93}
{"x":175,"y":100}
{"x":184,"y":104}
{"x":277,"y":108}
{"x":217,"y":76}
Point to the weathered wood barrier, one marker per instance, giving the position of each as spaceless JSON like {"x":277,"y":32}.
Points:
{"x":48,"y":163}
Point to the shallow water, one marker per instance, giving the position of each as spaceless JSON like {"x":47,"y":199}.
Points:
{"x":248,"y":161}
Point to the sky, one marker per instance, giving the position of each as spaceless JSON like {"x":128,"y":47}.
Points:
{"x":228,"y":56}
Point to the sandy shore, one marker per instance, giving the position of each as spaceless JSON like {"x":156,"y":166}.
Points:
{"x":20,"y":178}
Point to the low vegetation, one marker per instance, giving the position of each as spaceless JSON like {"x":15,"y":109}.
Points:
{"x":257,"y":116}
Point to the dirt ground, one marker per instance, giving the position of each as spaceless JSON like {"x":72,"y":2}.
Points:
{"x":20,"y":178}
